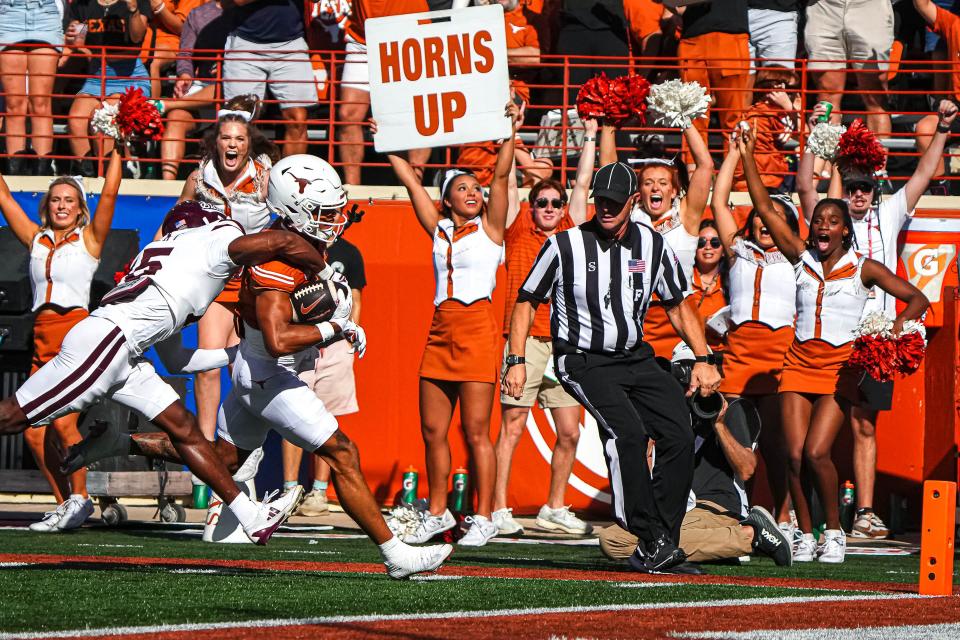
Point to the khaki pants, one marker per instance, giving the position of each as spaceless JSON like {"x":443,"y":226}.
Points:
{"x":704,"y":536}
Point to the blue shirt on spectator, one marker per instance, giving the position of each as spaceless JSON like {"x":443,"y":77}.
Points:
{"x":268,"y":21}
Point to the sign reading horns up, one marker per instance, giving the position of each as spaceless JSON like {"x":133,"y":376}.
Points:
{"x":438,"y":78}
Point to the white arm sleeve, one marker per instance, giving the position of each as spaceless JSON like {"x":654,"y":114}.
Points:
{"x":179,"y":359}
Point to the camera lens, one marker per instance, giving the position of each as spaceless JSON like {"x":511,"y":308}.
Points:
{"x":706,"y":407}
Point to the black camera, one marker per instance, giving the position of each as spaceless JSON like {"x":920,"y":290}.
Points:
{"x":704,"y":409}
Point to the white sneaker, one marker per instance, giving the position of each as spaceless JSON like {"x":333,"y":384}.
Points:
{"x":314,"y":504}
{"x":430,"y":525}
{"x":481,"y":531}
{"x":506,"y":525}
{"x":78,"y":509}
{"x":273,"y":514}
{"x":788,"y":530}
{"x":405,"y":561}
{"x":562,"y":519}
{"x":248,"y":470}
{"x":834,"y":546}
{"x":51,"y":519}
{"x":805,"y":548}
{"x":869,"y":525}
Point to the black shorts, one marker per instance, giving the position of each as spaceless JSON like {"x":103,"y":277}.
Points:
{"x":876,"y":395}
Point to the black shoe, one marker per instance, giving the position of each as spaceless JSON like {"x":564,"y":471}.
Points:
{"x":20,"y":163}
{"x":662,"y":557}
{"x":686,"y":568}
{"x":45,"y":166}
{"x":84,"y":168}
{"x":768,"y":539}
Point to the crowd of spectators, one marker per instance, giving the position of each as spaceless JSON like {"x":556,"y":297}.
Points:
{"x":744,"y":51}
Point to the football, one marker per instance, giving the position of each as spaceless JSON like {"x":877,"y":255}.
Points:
{"x":315,"y":301}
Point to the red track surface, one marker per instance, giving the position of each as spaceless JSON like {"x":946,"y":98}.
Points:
{"x":616,"y":624}
{"x":648,"y":623}
{"x":458,"y":570}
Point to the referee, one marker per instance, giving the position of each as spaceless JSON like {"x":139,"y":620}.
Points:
{"x":600,"y":277}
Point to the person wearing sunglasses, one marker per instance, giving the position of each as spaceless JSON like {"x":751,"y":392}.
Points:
{"x":527,"y":231}
{"x":762,"y":290}
{"x":708,"y":279}
{"x":876,"y":226}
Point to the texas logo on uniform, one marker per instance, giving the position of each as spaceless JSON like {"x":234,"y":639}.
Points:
{"x":438,"y":78}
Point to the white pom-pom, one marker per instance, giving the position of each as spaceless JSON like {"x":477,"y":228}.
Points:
{"x":404,"y":520}
{"x":678,"y":104}
{"x":915,"y":326}
{"x":875,"y":323}
{"x":824,"y":140}
{"x":104,"y":120}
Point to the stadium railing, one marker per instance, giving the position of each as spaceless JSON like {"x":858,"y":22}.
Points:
{"x":548,"y":127}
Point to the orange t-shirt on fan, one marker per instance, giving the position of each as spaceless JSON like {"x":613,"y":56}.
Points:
{"x":363,"y":9}
{"x":523,"y":241}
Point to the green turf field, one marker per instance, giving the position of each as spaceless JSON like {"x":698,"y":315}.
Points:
{"x":142,"y":577}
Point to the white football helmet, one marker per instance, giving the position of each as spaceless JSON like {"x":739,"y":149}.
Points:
{"x":307,"y":192}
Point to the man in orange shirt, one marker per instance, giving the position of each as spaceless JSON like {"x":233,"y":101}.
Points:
{"x":947,"y":24}
{"x":523,"y":48}
{"x":525,"y":236}
{"x":714,"y":51}
{"x":355,"y":83}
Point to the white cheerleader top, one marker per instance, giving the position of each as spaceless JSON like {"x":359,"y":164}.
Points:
{"x":465,"y":262}
{"x":61,"y":273}
{"x":671,"y":228}
{"x":762,"y":286}
{"x":830,"y":308}
{"x":246,"y":204}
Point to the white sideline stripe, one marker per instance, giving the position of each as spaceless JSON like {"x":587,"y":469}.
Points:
{"x":443,"y":615}
{"x":947,"y":630}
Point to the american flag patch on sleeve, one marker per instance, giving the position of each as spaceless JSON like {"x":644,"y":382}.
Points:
{"x":636,"y":266}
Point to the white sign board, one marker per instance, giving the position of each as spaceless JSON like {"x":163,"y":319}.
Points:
{"x":438,"y":78}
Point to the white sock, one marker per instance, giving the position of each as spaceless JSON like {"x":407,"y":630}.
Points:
{"x":245,"y":509}
{"x":77,"y":497}
{"x":391,"y":547}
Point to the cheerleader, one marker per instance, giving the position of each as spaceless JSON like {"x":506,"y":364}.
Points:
{"x":762,"y":291}
{"x":817,"y":387}
{"x":64,"y":254}
{"x":460,"y":361}
{"x":672,"y":208}
{"x":233,"y":177}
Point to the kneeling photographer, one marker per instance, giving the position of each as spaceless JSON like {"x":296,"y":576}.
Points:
{"x":718,"y":524}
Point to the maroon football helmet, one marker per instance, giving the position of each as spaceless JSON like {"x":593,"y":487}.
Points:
{"x":190,"y":213}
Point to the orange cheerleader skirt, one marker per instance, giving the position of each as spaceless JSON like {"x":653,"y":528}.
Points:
{"x":49,"y":330}
{"x":659,"y":333}
{"x":754,"y":359}
{"x":819,"y":368}
{"x":463,"y":345}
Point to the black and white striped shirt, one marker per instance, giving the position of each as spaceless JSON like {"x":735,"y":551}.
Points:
{"x":601,"y":287}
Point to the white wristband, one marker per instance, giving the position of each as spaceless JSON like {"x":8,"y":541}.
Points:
{"x":326,"y":272}
{"x":327,"y":331}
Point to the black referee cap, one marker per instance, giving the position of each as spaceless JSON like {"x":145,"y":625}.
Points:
{"x":616,"y":181}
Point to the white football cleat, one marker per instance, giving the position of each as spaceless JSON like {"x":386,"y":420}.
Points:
{"x":405,"y":561}
{"x":273,"y":514}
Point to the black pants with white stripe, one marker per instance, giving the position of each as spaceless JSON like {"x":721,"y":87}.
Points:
{"x":632,"y":400}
